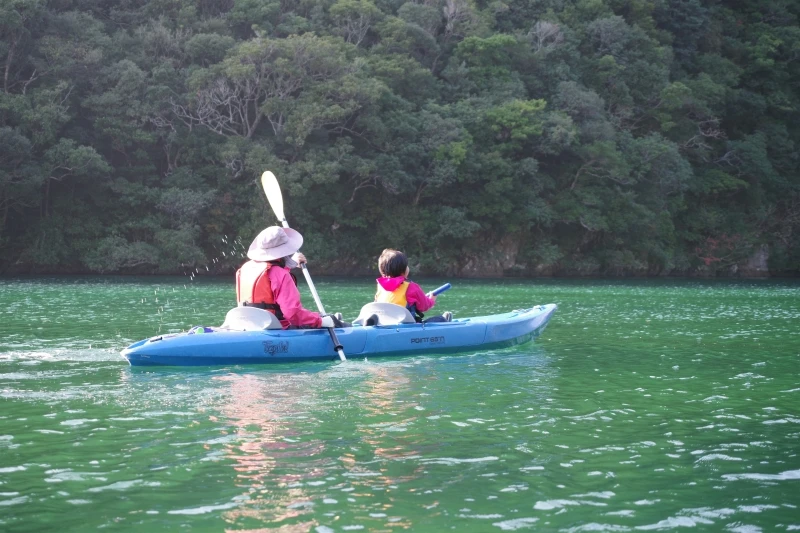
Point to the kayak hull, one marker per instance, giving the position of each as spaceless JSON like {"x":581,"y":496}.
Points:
{"x":222,"y":347}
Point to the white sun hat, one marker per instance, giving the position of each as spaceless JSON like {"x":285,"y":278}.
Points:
{"x":273,"y":243}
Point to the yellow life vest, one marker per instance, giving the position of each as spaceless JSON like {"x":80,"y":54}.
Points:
{"x":397,"y":296}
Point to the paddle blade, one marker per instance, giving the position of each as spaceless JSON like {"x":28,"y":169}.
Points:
{"x":273,"y":191}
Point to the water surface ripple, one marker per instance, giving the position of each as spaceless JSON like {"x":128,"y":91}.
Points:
{"x":647,"y":405}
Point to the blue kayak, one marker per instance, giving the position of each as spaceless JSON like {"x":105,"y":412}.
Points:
{"x":265,"y":343}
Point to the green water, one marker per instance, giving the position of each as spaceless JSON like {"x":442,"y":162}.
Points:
{"x":644,"y":405}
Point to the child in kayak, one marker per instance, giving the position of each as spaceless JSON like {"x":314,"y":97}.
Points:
{"x":394,"y":287}
{"x":266,"y":282}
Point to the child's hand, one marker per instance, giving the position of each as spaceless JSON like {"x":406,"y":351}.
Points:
{"x":299,"y":258}
{"x":432,"y":297}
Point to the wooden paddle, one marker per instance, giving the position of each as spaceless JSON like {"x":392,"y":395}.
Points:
{"x":275,"y":198}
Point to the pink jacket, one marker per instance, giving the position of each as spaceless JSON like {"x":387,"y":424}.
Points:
{"x":414,"y":293}
{"x":288,"y":298}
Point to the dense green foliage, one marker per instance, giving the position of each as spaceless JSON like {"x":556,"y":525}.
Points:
{"x":548,"y":136}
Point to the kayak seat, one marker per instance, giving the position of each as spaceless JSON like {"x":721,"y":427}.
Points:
{"x":387,"y":315}
{"x":250,"y":319}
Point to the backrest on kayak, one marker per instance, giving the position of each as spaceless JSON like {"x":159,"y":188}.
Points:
{"x":250,"y":319}
{"x":387,"y":314}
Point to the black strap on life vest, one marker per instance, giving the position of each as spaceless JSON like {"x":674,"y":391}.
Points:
{"x":275,"y":308}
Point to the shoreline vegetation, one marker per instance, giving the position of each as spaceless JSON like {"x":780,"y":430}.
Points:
{"x":425,"y":277}
{"x":577,"y":138}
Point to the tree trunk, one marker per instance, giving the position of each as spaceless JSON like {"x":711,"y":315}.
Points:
{"x":46,"y":201}
{"x":9,"y":58}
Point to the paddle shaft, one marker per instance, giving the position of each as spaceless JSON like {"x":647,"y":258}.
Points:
{"x":439,"y":290}
{"x":275,"y":198}
{"x":336,"y":344}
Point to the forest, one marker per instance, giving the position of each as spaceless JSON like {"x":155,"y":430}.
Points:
{"x":482,"y":137}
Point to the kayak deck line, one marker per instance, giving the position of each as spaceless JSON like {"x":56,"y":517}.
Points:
{"x":214,"y":346}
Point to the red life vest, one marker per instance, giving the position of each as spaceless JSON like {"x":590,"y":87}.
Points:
{"x":253,"y":287}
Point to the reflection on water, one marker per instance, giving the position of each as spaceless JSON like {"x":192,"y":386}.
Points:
{"x":260,"y":412}
{"x":646,"y":406}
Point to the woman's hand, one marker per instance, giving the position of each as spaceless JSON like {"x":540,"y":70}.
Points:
{"x":299,"y":258}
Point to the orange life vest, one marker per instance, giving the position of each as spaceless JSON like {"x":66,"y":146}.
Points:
{"x":253,"y":287}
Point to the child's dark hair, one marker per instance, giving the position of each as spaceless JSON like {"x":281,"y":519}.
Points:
{"x":392,"y":263}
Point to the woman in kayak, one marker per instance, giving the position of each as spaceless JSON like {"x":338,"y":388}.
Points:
{"x":267,"y":283}
{"x":394,"y":287}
